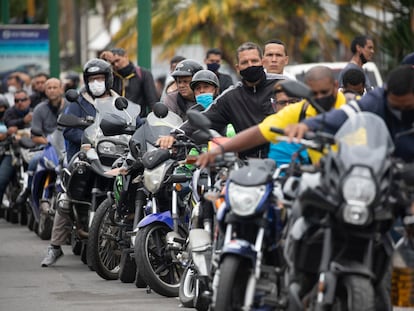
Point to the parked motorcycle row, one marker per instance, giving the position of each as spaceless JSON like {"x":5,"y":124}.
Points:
{"x":238,"y":235}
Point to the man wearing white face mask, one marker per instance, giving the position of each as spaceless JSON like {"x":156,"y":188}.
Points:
{"x":98,"y":79}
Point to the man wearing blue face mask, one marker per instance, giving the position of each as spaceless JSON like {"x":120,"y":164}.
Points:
{"x":213,"y":63}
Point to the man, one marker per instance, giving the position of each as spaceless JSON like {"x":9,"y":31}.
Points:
{"x":97,"y":75}
{"x":213,"y":62}
{"x":244,"y":105}
{"x":275,"y":58}
{"x":98,"y":78}
{"x":20,"y":115}
{"x":44,"y":123}
{"x":362,"y":48}
{"x":133,"y":82}
{"x":353,"y":83}
{"x":6,"y":166}
{"x":38,"y":89}
{"x":394,"y":103}
{"x":182,"y":99}
{"x":321,"y":81}
{"x":170,"y":85}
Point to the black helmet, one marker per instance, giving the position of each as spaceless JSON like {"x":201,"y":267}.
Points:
{"x":186,"y":67}
{"x":206,"y":76}
{"x":98,"y":66}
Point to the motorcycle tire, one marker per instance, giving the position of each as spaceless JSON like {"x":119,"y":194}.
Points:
{"x":30,"y":217}
{"x":84,"y":252}
{"x":23,"y":219}
{"x":127,"y":267}
{"x":186,"y":291}
{"x":104,"y":252}
{"x":139,"y":282}
{"x":154,"y":262}
{"x":354,"y":293}
{"x":44,"y":230}
{"x":232,"y":283}
{"x":76,"y":243}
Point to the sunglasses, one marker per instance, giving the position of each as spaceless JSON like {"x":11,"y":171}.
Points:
{"x":19,"y":100}
{"x":286,"y":101}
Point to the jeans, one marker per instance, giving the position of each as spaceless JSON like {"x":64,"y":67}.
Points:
{"x":7,"y":171}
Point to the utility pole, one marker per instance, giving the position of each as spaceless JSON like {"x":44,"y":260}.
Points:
{"x":53,"y":16}
{"x":144,"y":33}
{"x":5,"y":11}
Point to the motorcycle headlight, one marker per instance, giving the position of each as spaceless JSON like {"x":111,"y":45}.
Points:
{"x":244,"y":200}
{"x":110,"y":148}
{"x":154,"y":178}
{"x":359,"y":191}
{"x":359,"y":187}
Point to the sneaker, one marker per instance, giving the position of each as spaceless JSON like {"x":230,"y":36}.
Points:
{"x":53,"y":254}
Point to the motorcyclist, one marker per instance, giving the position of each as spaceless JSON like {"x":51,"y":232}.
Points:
{"x":394,"y":103}
{"x":323,"y":84}
{"x":244,"y":105}
{"x":182,"y":99}
{"x":6,"y":166}
{"x":98,"y":78}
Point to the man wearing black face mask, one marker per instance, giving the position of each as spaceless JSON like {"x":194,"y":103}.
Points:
{"x":362,"y":48}
{"x":213,"y":61}
{"x":245,"y":104}
{"x":325,"y":89}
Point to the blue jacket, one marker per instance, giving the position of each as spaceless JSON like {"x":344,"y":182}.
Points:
{"x":376,"y":102}
{"x":73,"y":136}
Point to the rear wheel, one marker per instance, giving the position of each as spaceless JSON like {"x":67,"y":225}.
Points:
{"x":127,"y":267}
{"x":44,"y":229}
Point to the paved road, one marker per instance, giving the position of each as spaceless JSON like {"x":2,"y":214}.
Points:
{"x":69,"y":285}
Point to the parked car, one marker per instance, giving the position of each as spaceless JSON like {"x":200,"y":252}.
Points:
{"x":298,"y":71}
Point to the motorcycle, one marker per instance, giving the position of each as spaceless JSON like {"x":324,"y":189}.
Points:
{"x":46,"y":185}
{"x":162,"y":232}
{"x":84,"y":182}
{"x":337,"y":248}
{"x":109,"y":243}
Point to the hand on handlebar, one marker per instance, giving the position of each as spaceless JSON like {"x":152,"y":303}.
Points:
{"x":207,"y":158}
{"x":295,"y":132}
{"x":165,"y":142}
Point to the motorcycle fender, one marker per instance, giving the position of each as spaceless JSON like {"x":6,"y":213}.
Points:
{"x":164,"y":217}
{"x":241,"y":248}
{"x":199,"y":240}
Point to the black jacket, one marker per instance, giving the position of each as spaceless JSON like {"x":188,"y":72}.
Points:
{"x":243,"y":107}
{"x":137,"y":85}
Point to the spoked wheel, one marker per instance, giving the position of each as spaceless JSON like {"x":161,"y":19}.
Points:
{"x":155,"y":263}
{"x":234,"y":275}
{"x":104,"y":251}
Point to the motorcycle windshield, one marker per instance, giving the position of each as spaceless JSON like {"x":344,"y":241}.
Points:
{"x":107,"y":106}
{"x":364,"y":139}
{"x":160,"y":127}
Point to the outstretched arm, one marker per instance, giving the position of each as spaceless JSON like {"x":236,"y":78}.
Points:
{"x":247,"y":139}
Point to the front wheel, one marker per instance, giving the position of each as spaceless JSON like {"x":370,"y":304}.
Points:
{"x":187,"y":287}
{"x":44,"y":229}
{"x":354,"y":293}
{"x":234,"y":275}
{"x":155,"y":262}
{"x":104,"y":252}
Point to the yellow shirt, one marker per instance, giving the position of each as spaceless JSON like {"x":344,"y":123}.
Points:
{"x":290,"y":115}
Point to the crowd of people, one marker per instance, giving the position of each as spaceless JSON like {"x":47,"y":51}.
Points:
{"x":251,"y":105}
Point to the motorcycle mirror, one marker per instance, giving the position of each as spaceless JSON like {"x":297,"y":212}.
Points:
{"x":294,"y":88}
{"x":198,"y":120}
{"x":160,"y":110}
{"x":71,"y":95}
{"x":69,"y":120}
{"x":121,"y":103}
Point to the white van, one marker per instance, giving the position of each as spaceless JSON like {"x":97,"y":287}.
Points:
{"x":298,"y":71}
